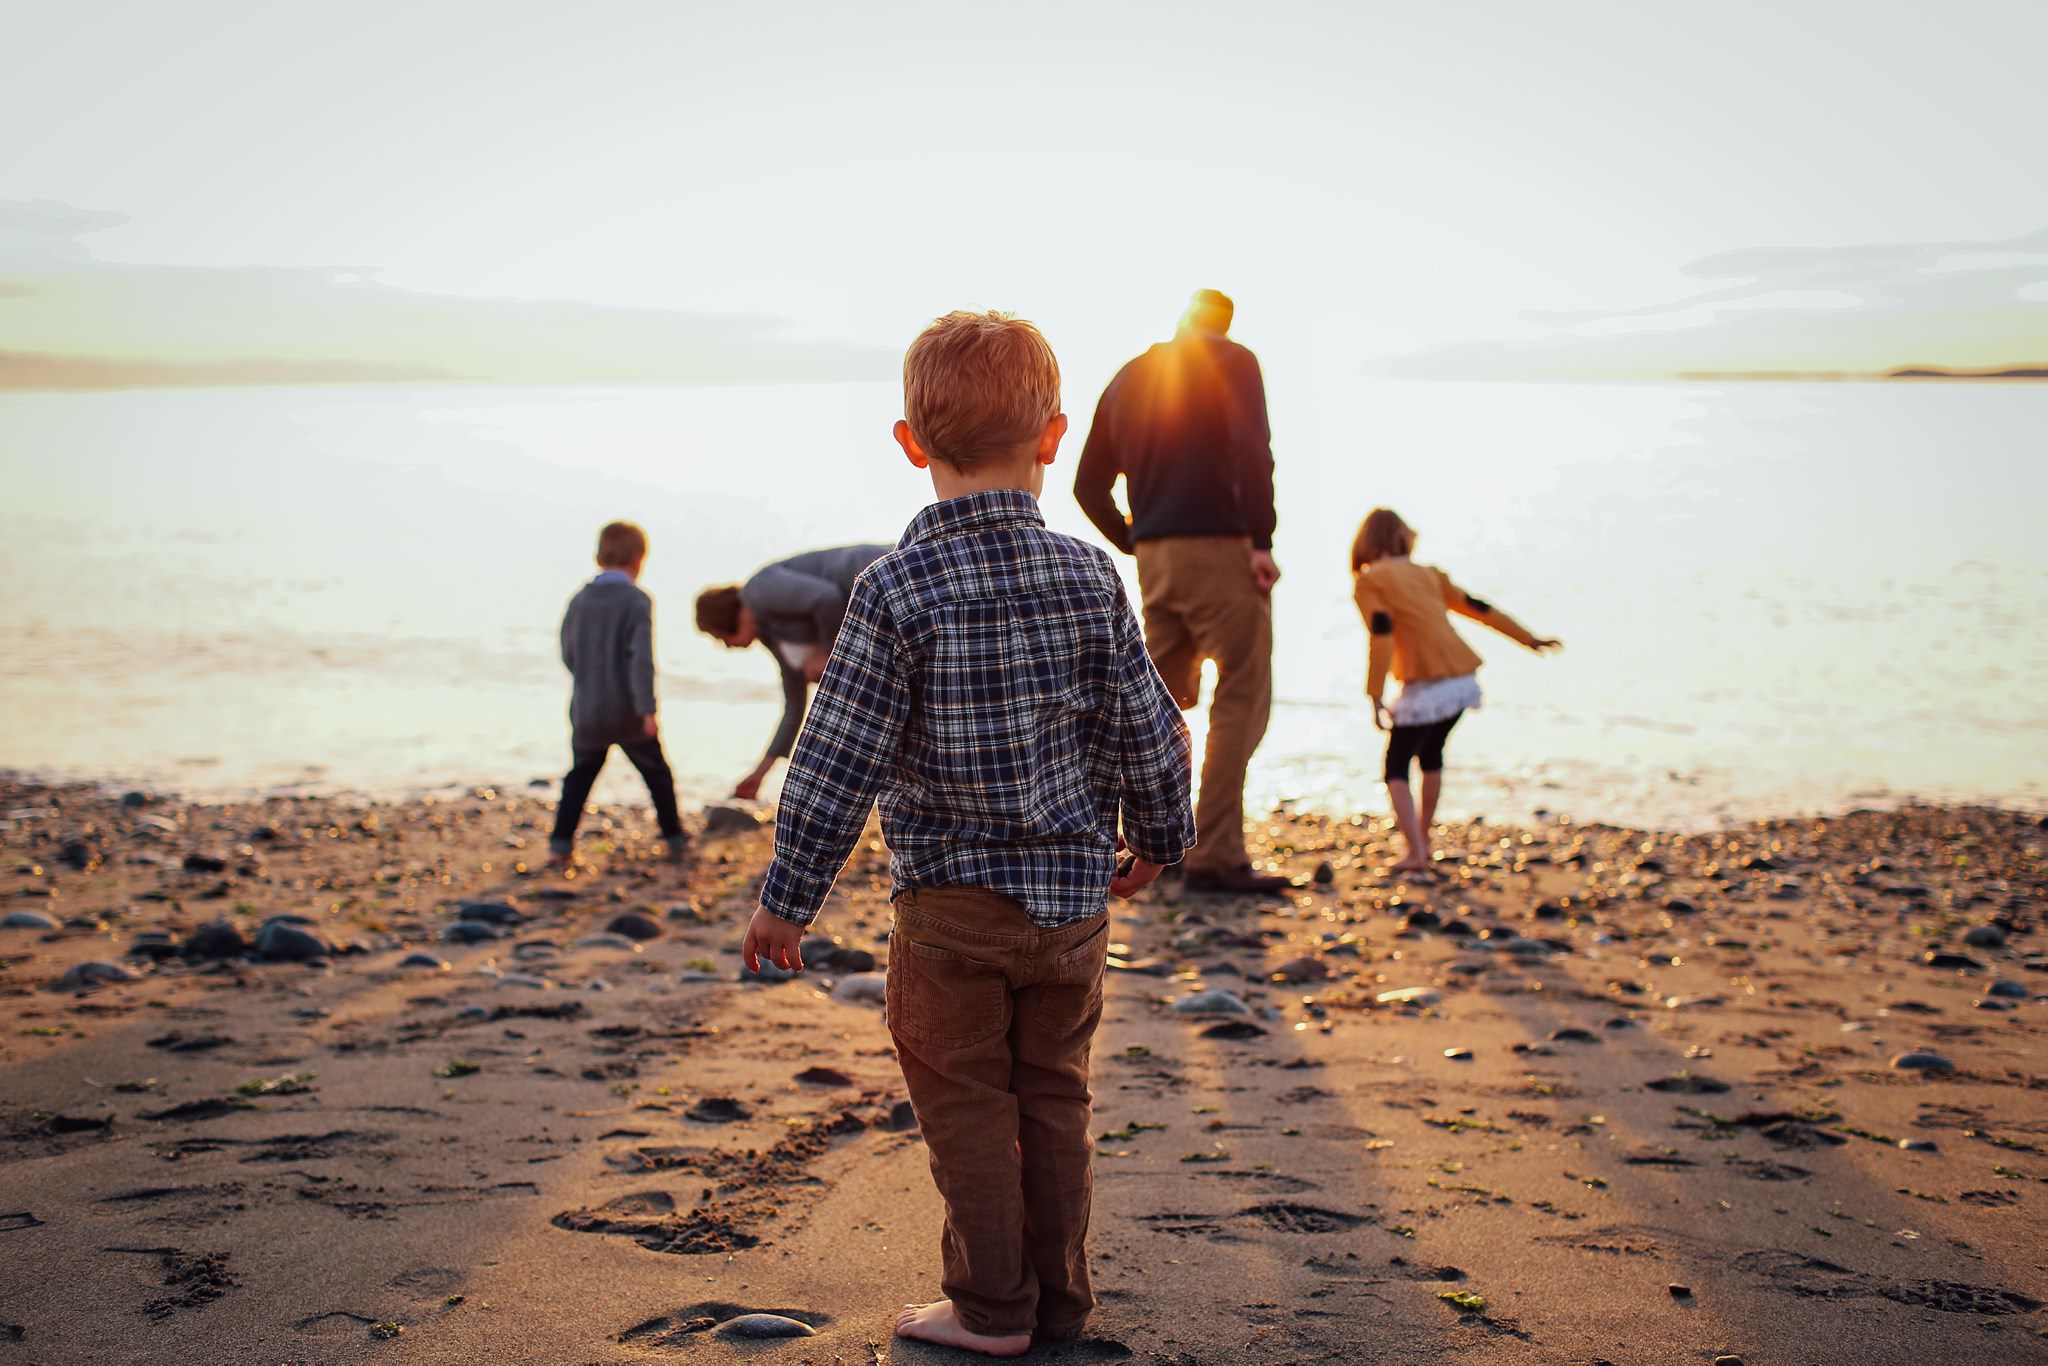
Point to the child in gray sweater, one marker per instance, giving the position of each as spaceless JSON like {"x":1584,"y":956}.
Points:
{"x":608,"y":646}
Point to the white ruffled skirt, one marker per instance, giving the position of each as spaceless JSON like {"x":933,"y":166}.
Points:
{"x":1434,"y":699}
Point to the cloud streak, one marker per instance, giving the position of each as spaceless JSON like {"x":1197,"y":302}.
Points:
{"x":69,"y":320}
{"x":1855,"y":310}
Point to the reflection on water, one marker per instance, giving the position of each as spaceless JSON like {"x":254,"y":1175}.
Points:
{"x":1773,"y":596}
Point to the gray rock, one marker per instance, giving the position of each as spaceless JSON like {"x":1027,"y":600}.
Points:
{"x":1324,"y":874}
{"x":1918,"y":1145}
{"x":634,"y":925}
{"x":1304,"y":969}
{"x":729,"y":820}
{"x":28,"y":920}
{"x":79,"y":853}
{"x":221,"y":939}
{"x":283,"y":941}
{"x":1211,"y":1002}
{"x":1984,"y":937}
{"x":471,"y":931}
{"x":764,"y":1326}
{"x":154,"y":945}
{"x":767,"y":972}
{"x":525,"y":979}
{"x":862,"y":988}
{"x":1961,"y":962}
{"x":206,"y":863}
{"x":718,"y":1110}
{"x":424,"y":960}
{"x":92,"y":973}
{"x":1923,"y":1061}
{"x":490,"y":912}
{"x":832,"y":956}
{"x":2012,"y":990}
{"x":608,"y":940}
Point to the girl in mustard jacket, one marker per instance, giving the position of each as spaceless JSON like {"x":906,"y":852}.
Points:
{"x":1406,"y":608}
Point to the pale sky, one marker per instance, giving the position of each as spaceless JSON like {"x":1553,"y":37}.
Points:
{"x":1370,"y":180}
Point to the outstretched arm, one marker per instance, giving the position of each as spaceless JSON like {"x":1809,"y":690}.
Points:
{"x":842,"y":757}
{"x":1485,"y":613}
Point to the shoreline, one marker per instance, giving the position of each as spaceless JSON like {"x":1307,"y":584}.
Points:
{"x":467,"y":1110}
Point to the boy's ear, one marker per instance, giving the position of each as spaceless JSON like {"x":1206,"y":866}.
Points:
{"x":910,"y":446}
{"x":1049,"y":439}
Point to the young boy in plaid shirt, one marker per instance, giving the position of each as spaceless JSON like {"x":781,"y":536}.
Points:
{"x":990,"y":687}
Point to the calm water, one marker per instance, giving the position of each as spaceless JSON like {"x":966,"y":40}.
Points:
{"x":1774,"y":597}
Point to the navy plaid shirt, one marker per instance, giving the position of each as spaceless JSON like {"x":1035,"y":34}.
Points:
{"x":990,"y":687}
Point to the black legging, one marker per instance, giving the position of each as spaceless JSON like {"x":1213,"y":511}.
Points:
{"x":1408,"y":743}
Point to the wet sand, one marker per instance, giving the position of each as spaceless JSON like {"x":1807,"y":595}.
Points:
{"x":1640,"y":1101}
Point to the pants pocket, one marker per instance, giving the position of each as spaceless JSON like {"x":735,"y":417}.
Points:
{"x":942,"y":998}
{"x":1072,"y":1000}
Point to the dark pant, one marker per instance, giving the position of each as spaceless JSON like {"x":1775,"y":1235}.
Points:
{"x":587,"y":761}
{"x":993,"y":1018}
{"x":1408,"y":743}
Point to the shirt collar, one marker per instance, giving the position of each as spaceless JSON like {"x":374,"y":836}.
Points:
{"x":613,"y":576}
{"x":973,"y":512}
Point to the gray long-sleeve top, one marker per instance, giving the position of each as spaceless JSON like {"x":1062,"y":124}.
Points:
{"x":608,"y":646}
{"x":799,"y":601}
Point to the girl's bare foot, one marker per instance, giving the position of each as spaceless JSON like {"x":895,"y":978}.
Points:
{"x":1411,"y":864}
{"x":936,"y":1322}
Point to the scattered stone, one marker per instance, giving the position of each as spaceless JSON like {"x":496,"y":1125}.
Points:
{"x":2009,"y":989}
{"x":607,"y":940}
{"x":764,"y":1326}
{"x":281,"y":940}
{"x":1960,"y":962}
{"x":525,"y":979}
{"x":1728,"y":1359}
{"x":862,"y":988}
{"x":1686,"y":1084}
{"x":490,"y":912}
{"x":767,"y":972}
{"x":1923,"y":1061}
{"x":718,"y":1110}
{"x":28,"y":920}
{"x":829,"y":955}
{"x":1984,"y":937}
{"x":221,"y":939}
{"x":1324,"y":874}
{"x":1458,"y":1054}
{"x":1238,"y":1030}
{"x":79,"y":853}
{"x":1679,"y":1292}
{"x":424,"y":960}
{"x":1573,"y":1035}
{"x":634,"y":925}
{"x":824,"y":1076}
{"x":901,"y":1118}
{"x":1304,"y":969}
{"x":471,"y":932}
{"x":155,"y":945}
{"x":1678,"y":905}
{"x":1212,"y":1002}
{"x":730,"y":820}
{"x":1918,"y":1145}
{"x":205,"y":863}
{"x":1419,"y":920}
{"x":91,"y":973}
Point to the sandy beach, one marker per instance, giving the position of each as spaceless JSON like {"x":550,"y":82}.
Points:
{"x":1588,"y":1095}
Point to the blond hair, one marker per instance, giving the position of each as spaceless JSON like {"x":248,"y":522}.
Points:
{"x":1382,"y":534}
{"x":620,"y":544}
{"x":978,"y":385}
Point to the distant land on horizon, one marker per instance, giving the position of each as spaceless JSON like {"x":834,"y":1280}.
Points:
{"x":1936,"y":372}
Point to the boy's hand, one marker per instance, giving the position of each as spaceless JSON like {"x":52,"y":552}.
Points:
{"x":1546,"y":643}
{"x":773,"y":938}
{"x":1132,"y":877}
{"x":1382,"y":719}
{"x":650,"y":727}
{"x":1264,"y":572}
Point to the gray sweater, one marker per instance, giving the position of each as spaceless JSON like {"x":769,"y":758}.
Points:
{"x":608,"y":644}
{"x":799,"y":601}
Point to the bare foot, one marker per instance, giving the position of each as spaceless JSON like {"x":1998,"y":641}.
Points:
{"x":936,"y":1322}
{"x":1411,"y":864}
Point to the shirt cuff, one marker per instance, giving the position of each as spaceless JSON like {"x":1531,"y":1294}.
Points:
{"x":792,"y":894}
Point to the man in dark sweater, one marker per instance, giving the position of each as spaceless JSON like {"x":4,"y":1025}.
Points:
{"x":608,"y":646}
{"x":1185,"y":426}
{"x":793,"y":607}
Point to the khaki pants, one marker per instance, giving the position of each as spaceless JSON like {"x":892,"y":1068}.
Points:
{"x":1200,"y":603}
{"x":993,"y":1019}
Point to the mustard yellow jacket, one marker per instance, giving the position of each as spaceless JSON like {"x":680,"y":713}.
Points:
{"x":1406,"y":608}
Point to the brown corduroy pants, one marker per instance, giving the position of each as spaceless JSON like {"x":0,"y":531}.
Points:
{"x":993,"y":1018}
{"x":1201,"y":603}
